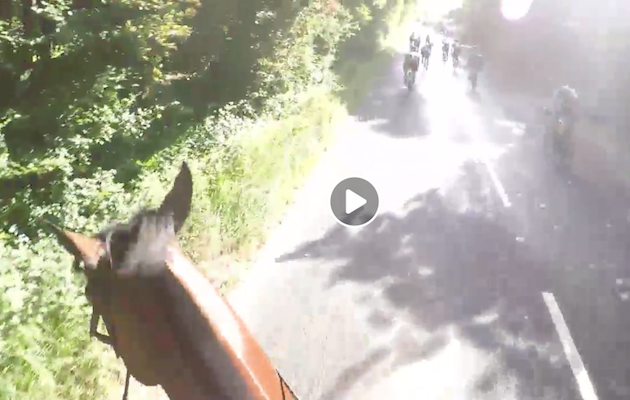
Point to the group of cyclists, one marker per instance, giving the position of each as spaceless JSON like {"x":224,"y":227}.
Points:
{"x":564,"y":104}
{"x":415,"y":47}
{"x":419,"y":52}
{"x":456,"y":49}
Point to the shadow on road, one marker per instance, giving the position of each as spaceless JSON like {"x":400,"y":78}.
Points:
{"x":450,"y":262}
{"x":582,"y":231}
{"x":391,"y":108}
{"x":456,"y":260}
{"x":448,"y":268}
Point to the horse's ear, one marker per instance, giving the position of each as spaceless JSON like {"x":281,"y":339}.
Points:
{"x":179,"y":199}
{"x":85,"y":248}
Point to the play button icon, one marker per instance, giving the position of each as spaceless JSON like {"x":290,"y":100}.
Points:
{"x":354,"y":202}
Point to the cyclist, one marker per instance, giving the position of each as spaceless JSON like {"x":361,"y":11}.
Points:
{"x":565,"y":102}
{"x":564,"y":107}
{"x":475,"y":65}
{"x":410,"y":63}
{"x":426,"y":55}
{"x":445,"y":48}
{"x":456,"y":51}
{"x":414,"y":42}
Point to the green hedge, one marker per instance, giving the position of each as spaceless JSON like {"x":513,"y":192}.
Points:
{"x":143,"y":116}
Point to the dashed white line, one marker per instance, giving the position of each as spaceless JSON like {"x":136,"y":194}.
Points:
{"x":497,"y":185}
{"x":575,"y":361}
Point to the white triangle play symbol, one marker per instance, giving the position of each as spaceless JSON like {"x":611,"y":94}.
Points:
{"x":353,"y":201}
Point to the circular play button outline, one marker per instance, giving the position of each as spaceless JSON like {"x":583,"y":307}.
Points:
{"x":354,"y":202}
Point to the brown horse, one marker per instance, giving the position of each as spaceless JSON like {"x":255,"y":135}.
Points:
{"x":164,"y":318}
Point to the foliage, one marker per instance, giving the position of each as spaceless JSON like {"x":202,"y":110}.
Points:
{"x":102,"y":100}
{"x":43,"y":328}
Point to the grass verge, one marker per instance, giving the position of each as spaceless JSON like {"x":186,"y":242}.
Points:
{"x":239,"y":200}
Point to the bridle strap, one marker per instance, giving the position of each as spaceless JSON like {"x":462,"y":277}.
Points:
{"x":108,"y":252}
{"x":108,"y":301}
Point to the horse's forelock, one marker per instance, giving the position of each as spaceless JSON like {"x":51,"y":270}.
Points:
{"x":139,"y":245}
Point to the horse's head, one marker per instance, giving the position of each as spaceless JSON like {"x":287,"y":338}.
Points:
{"x":116,"y":263}
{"x":136,"y":247}
{"x":168,"y":323}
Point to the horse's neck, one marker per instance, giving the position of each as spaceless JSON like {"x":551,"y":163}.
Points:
{"x":225,"y":358}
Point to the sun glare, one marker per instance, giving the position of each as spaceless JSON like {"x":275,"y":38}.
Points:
{"x":438,"y":8}
{"x":515,"y":9}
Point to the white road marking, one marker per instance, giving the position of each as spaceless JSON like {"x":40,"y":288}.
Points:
{"x":575,"y":361}
{"x":471,"y":118}
{"x":497,"y":185}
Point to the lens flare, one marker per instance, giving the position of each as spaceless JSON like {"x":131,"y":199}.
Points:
{"x":515,"y":9}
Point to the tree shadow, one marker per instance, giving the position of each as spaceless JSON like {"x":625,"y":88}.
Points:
{"x":458,"y":268}
{"x":389,"y":107}
{"x":456,"y":261}
{"x":474,"y":95}
{"x":358,"y":66}
{"x":353,"y":374}
{"x":582,"y":230}
{"x":367,"y":49}
{"x":394,"y":110}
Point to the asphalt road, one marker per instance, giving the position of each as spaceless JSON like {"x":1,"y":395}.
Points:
{"x":486,"y":274}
